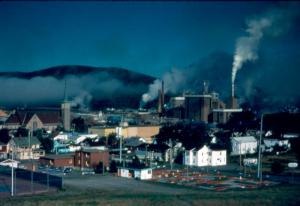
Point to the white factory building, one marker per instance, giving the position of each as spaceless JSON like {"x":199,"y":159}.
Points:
{"x":205,"y":157}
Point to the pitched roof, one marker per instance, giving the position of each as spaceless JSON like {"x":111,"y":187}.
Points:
{"x":19,"y":117}
{"x":22,"y":117}
{"x":24,"y":141}
{"x":245,"y":139}
{"x":3,"y":113}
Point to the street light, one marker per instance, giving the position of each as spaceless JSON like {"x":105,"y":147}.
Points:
{"x":259,"y":163}
{"x":12,"y":167}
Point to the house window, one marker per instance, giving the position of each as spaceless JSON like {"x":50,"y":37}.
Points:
{"x":34,"y":125}
{"x":149,"y":172}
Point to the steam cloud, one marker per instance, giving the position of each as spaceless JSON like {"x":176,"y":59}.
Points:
{"x":81,"y":90}
{"x":272,"y":23}
{"x":174,"y":80}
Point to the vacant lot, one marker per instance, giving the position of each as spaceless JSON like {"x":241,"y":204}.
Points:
{"x":110,"y":190}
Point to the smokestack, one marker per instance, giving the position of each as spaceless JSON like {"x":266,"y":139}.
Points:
{"x":162,"y":94}
{"x":205,"y":87}
{"x":232,"y":89}
{"x":159,"y":107}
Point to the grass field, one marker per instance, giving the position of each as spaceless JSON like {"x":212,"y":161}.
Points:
{"x":277,"y":195}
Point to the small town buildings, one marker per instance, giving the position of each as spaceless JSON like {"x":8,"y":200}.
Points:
{"x":243,"y":145}
{"x":145,"y":131}
{"x":89,"y":157}
{"x":25,"y":148}
{"x":3,"y":150}
{"x":58,"y":160}
{"x":205,"y":156}
{"x":33,"y":119}
{"x":10,"y":163}
{"x":153,"y":152}
{"x":269,"y":144}
{"x":138,"y":173}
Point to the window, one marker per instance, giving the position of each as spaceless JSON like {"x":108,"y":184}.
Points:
{"x":34,"y":125}
{"x":149,"y":172}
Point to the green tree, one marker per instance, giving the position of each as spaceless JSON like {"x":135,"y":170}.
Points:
{"x":113,"y":167}
{"x":47,"y":144}
{"x":99,"y":168}
{"x":277,"y":167}
{"x":21,"y":132}
{"x":4,"y":136}
{"x":112,"y":140}
{"x":79,"y":125}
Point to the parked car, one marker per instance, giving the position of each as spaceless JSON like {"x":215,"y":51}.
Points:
{"x":67,"y":170}
{"x":87,"y":171}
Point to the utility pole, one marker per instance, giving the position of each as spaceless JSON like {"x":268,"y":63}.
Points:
{"x":12,"y":167}
{"x":259,"y":162}
{"x":30,"y":153}
{"x":171,"y":153}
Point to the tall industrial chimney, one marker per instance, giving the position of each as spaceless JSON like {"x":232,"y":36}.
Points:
{"x":66,"y":111}
{"x":162,"y":95}
{"x":161,"y":98}
{"x":232,"y":90}
{"x":159,"y":107}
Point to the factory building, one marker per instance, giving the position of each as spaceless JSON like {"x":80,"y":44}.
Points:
{"x":206,"y":107}
{"x":145,"y":131}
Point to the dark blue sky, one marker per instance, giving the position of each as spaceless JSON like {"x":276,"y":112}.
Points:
{"x":146,"y":37}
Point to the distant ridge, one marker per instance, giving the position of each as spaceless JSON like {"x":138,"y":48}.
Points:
{"x":94,"y":87}
{"x":59,"y":72}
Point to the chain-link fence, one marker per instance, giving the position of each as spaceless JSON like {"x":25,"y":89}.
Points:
{"x":27,"y":182}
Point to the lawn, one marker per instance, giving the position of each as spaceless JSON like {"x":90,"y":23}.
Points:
{"x":276,"y":195}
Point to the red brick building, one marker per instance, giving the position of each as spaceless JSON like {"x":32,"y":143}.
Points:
{"x":90,"y":158}
{"x":85,"y":158}
{"x":58,"y":160}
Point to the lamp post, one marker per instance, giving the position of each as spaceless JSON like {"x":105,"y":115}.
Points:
{"x":259,"y":163}
{"x":12,"y":167}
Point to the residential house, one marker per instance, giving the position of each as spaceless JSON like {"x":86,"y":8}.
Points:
{"x":153,"y":152}
{"x":3,"y":150}
{"x":269,"y":144}
{"x":25,"y":148}
{"x":205,"y":156}
{"x":243,"y":145}
{"x":10,"y":163}
{"x":3,"y":117}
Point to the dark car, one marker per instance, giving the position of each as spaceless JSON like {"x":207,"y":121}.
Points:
{"x":67,"y":170}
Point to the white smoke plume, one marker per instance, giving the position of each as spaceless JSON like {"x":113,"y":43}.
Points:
{"x":82,"y":100}
{"x":173,"y":81}
{"x":272,"y":23}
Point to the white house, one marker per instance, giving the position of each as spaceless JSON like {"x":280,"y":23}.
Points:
{"x":243,"y":145}
{"x":205,"y":157}
{"x":139,"y":173}
{"x":10,"y":163}
{"x":271,"y":143}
